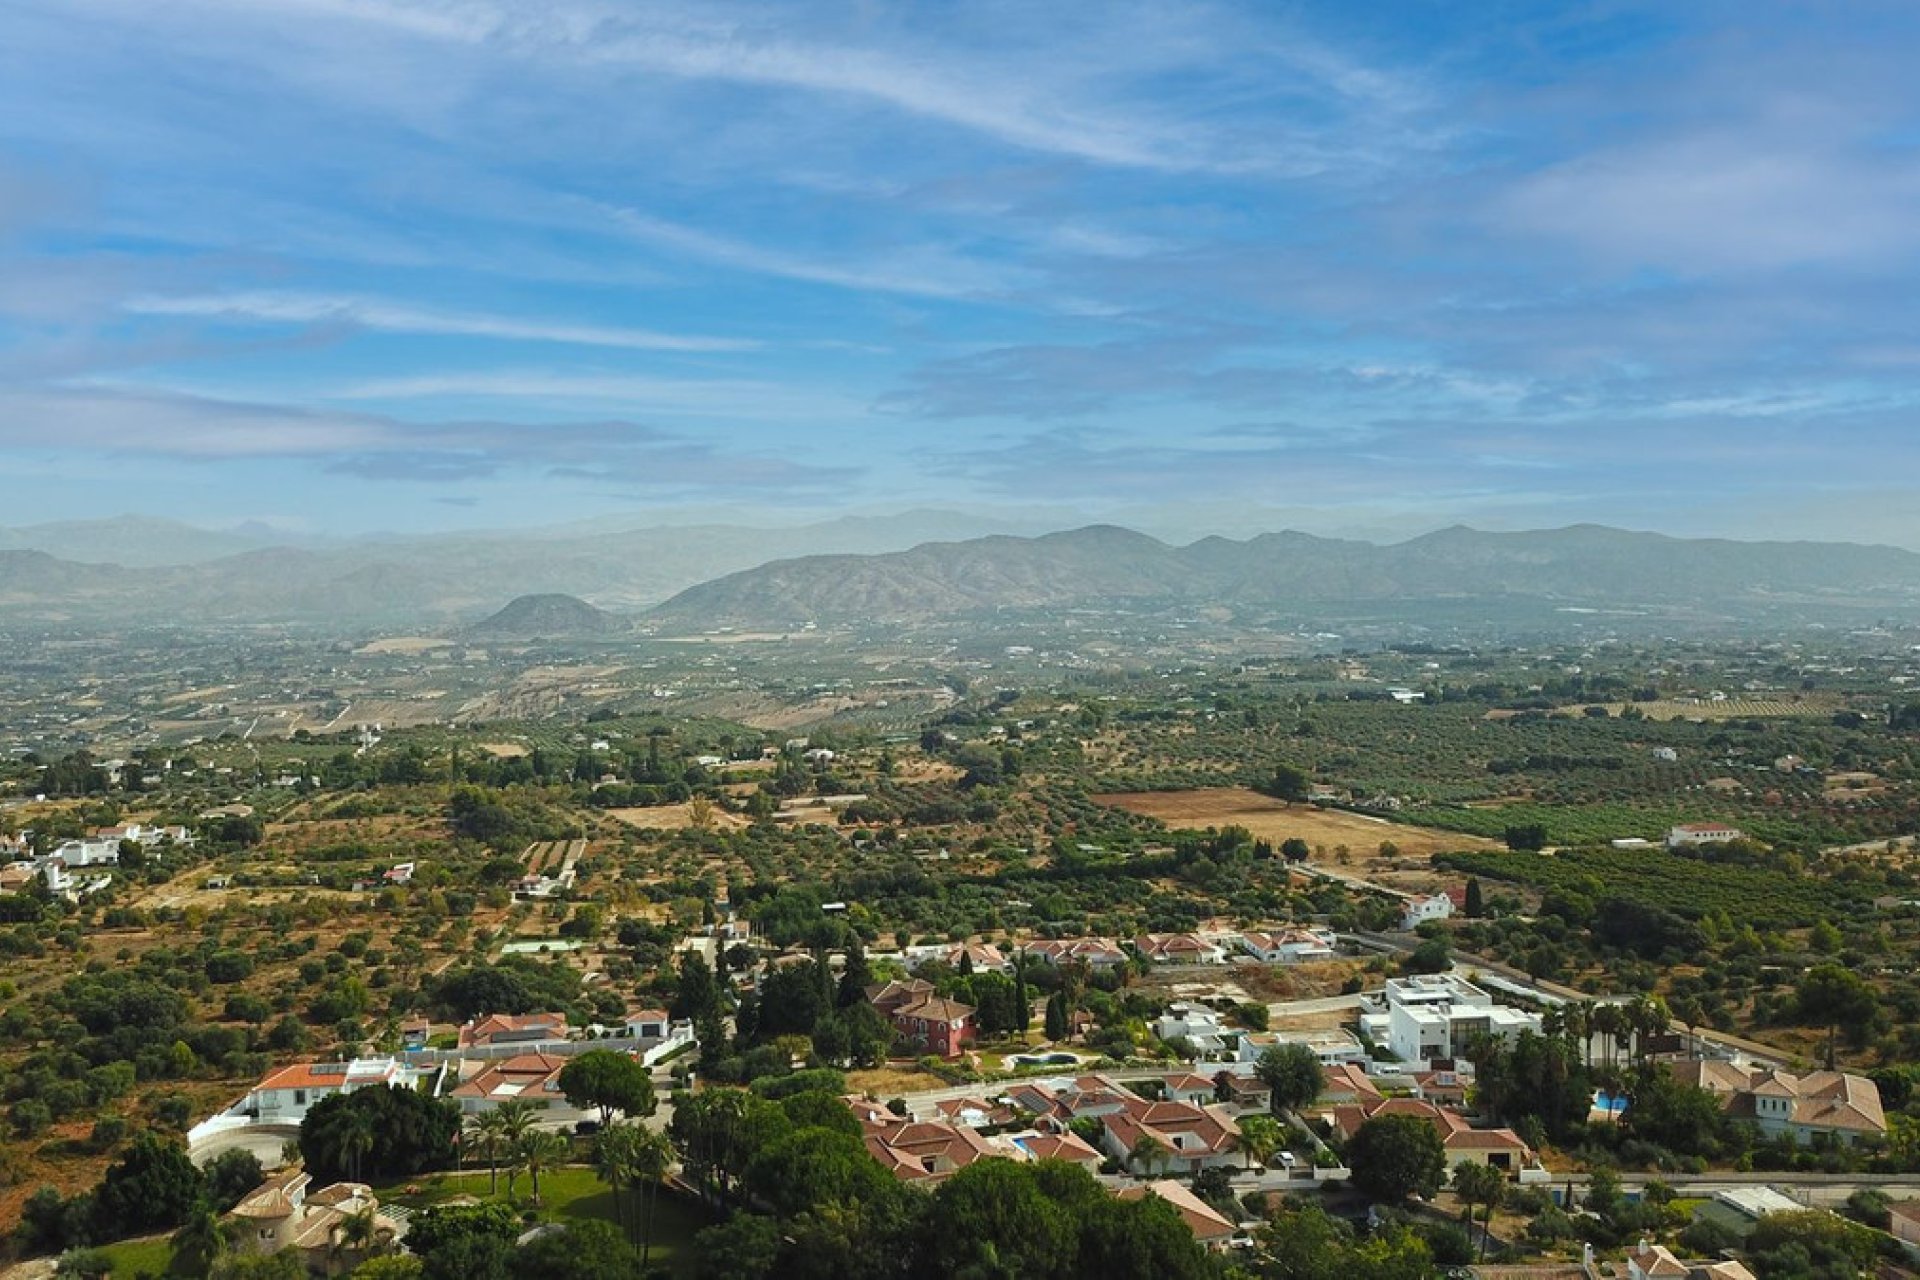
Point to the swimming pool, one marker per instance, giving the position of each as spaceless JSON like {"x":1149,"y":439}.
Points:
{"x":1042,"y":1059}
{"x":1610,"y":1103}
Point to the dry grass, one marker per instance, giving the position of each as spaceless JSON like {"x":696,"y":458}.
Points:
{"x":891,"y":1082}
{"x":405,"y":645}
{"x":1273,"y":820}
{"x":675,"y":817}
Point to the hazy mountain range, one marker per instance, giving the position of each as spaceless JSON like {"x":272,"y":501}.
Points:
{"x":1584,"y":566}
{"x":916,"y":566}
{"x":139,"y":570}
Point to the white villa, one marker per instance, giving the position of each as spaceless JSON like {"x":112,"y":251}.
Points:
{"x":283,"y":1096}
{"x":1418,"y":911}
{"x":1433,"y":1016}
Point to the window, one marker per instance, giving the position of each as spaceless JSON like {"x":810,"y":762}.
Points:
{"x":299,"y":1097}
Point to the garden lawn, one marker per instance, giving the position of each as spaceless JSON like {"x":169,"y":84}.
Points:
{"x":566,"y":1195}
{"x":137,"y":1257}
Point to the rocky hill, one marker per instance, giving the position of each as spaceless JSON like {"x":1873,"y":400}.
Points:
{"x":550,"y":616}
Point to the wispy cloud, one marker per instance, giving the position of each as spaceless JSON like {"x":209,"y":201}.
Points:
{"x":694,"y":397}
{"x":926,"y":273}
{"x":390,"y":317}
{"x":117,"y":423}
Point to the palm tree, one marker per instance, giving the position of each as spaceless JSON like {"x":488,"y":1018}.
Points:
{"x":652,"y":1161}
{"x":356,"y":1140}
{"x":1650,"y":1017}
{"x":541,"y":1149}
{"x":359,"y":1232}
{"x":1148,"y":1152}
{"x":1258,"y":1139}
{"x":1475,"y":1184}
{"x":515,"y":1120}
{"x":485,"y":1134}
{"x":1608,"y":1020}
{"x":201,"y":1240}
{"x":1579,"y":1020}
{"x":613,"y":1159}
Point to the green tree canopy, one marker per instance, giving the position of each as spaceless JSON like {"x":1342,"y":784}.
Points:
{"x":610,"y":1081}
{"x":1395,"y":1157}
{"x":1293,"y":1072}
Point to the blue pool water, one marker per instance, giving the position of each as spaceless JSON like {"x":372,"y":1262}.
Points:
{"x":1612,"y":1104}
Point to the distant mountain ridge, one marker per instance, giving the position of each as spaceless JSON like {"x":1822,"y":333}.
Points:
{"x":842,"y":572}
{"x":1577,"y":566}
{"x":133,"y":570}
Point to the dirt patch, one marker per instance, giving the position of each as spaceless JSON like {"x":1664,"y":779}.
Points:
{"x":891,"y":1082}
{"x":1273,"y":820}
{"x":404,"y":644}
{"x":675,"y":817}
{"x":505,"y":750}
{"x":1315,"y":981}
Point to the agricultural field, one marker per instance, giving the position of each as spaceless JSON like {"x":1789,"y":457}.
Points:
{"x":1691,"y":887}
{"x":1275,"y":820}
{"x":1732,"y":708}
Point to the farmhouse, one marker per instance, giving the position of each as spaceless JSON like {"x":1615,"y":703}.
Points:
{"x":1691,"y":834}
{"x":1289,"y":946}
{"x":1179,"y":948}
{"x":1096,"y":953}
{"x":1418,"y":911}
{"x":935,"y":1025}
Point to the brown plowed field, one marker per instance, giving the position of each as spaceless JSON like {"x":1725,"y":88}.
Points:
{"x":1272,"y":820}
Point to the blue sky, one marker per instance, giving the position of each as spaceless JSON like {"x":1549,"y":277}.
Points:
{"x":345,"y":265}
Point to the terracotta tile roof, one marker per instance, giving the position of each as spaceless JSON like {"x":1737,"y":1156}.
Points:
{"x":494,"y":1025}
{"x":935,"y":1009}
{"x":274,"y":1198}
{"x":528,"y":1075}
{"x":326,"y":1075}
{"x":1821,"y":1099}
{"x":1346,"y":1077}
{"x":1658,"y":1262}
{"x":1201,"y":1218}
{"x":1060,"y":1146}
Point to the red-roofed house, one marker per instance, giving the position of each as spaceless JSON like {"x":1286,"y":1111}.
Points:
{"x":1209,"y":1227}
{"x":530,"y":1077}
{"x":1841,"y":1104}
{"x":1187,"y":1087}
{"x":1096,"y":953}
{"x":935,"y":1025}
{"x":1503,"y":1149}
{"x":919,"y":1151}
{"x":1179,"y":948}
{"x":283,"y":1095}
{"x":1189,"y":1138}
{"x":513,"y":1028}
